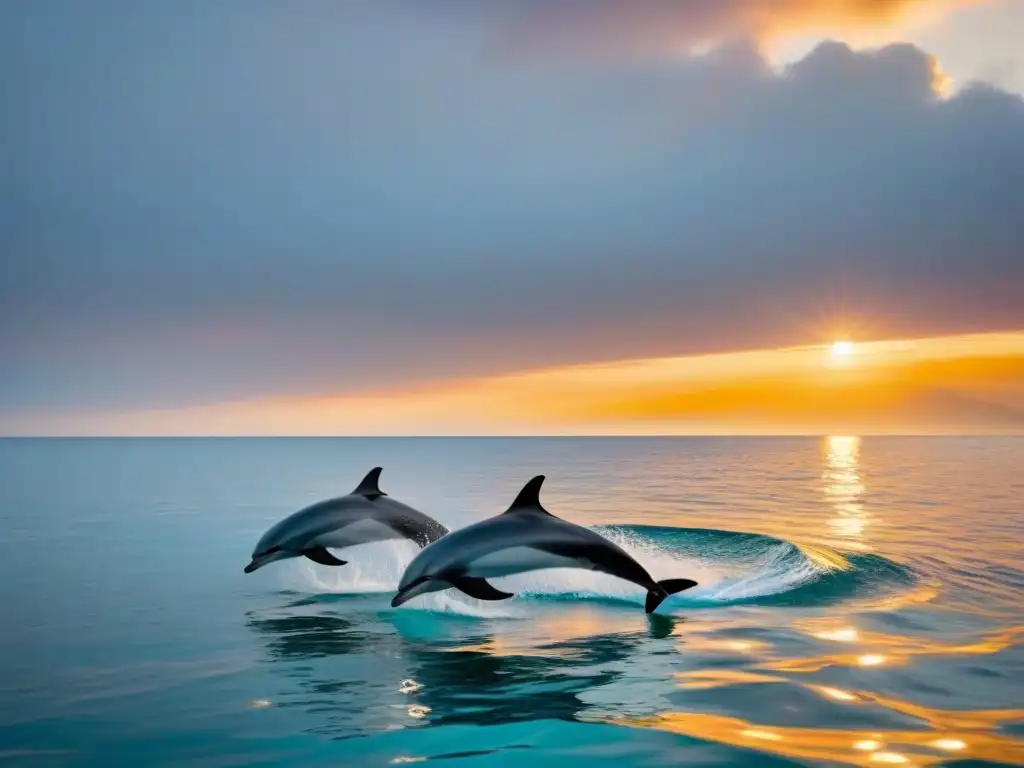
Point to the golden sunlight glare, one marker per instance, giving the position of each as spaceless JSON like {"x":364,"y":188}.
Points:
{"x":870,"y":660}
{"x":867,"y":745}
{"x":842,"y":349}
{"x":951,"y":745}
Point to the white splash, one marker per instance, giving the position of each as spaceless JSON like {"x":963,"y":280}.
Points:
{"x":376,"y":568}
{"x":371,"y":568}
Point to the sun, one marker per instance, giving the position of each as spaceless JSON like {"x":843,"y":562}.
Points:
{"x":841,"y":349}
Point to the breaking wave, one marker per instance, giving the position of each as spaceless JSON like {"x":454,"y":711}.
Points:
{"x":731,"y":568}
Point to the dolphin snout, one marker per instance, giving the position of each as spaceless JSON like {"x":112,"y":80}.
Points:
{"x":259,"y":560}
{"x":411,"y":590}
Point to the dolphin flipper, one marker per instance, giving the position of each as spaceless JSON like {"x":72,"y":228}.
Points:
{"x":479,"y":588}
{"x":667,"y":587}
{"x":322,"y":556}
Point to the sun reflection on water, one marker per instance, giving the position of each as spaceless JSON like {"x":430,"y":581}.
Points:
{"x":837,"y":693}
{"x":843,"y":489}
{"x":867,"y":745}
{"x":865,"y":649}
{"x":977,"y":736}
{"x":844,"y":635}
{"x":894,"y":758}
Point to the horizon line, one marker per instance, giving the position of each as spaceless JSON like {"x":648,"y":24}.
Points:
{"x":610,"y":436}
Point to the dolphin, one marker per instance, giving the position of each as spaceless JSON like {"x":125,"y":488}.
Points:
{"x":526,"y":537}
{"x":367,"y":514}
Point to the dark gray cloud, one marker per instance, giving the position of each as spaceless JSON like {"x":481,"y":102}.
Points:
{"x":208,"y":202}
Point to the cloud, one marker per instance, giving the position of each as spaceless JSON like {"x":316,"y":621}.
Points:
{"x":950,"y":385}
{"x":530,"y":27}
{"x":341,"y":198}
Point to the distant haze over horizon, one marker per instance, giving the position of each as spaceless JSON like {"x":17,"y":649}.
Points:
{"x":971,"y":384}
{"x":527,"y":217}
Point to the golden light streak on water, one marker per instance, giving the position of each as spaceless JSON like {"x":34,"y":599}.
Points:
{"x":843,"y":488}
{"x":978,"y":737}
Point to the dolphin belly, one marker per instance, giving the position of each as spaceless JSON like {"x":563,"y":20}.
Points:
{"x":361,"y":531}
{"x":505,"y":562}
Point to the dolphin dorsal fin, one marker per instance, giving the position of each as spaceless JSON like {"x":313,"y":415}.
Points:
{"x":369,"y":486}
{"x":528,"y":499}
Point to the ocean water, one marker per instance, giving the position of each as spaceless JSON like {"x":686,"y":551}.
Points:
{"x":860,"y":602}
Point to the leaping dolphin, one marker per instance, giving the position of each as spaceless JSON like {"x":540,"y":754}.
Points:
{"x":526,"y":537}
{"x":367,"y":514}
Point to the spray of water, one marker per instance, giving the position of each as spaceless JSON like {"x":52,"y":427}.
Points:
{"x":769,"y":568}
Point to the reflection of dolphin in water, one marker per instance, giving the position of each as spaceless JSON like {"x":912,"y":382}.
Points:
{"x":524,"y":538}
{"x":341,"y":670}
{"x":311,"y":636}
{"x":479,"y":686}
{"x":365,"y":515}
{"x":361,"y":672}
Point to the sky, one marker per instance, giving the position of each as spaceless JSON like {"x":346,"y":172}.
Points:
{"x":263,"y":217}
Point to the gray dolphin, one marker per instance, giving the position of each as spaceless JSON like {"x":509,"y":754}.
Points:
{"x":367,"y":514}
{"x":526,"y":537}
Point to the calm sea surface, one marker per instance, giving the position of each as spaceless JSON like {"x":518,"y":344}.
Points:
{"x":861,"y":602}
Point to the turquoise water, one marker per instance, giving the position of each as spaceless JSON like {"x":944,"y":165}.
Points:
{"x":861,"y":602}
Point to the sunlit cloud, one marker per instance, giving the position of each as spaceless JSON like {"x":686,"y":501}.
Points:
{"x":947,"y":384}
{"x":644,"y":27}
{"x":320,"y":235}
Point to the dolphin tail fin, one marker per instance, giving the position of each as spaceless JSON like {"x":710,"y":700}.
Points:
{"x":666,"y":588}
{"x":479,"y":588}
{"x":322,"y":556}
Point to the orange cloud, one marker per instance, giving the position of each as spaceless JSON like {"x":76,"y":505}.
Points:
{"x":950,"y":384}
{"x":954,"y":384}
{"x":643,"y":26}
